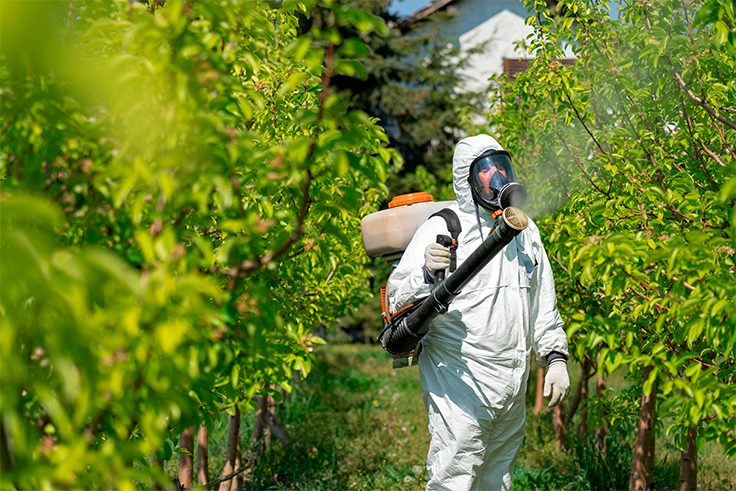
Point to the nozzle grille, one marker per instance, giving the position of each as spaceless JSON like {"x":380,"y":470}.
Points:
{"x":515,"y":218}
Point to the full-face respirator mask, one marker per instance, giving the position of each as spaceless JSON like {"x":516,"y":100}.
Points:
{"x":493,"y":182}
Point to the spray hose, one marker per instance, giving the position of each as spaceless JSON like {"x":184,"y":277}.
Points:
{"x":405,"y":330}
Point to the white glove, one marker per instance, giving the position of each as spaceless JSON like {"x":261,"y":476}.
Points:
{"x":557,"y":382}
{"x":436,"y":257}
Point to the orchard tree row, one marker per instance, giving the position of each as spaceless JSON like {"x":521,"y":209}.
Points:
{"x":181,"y":199}
{"x":630,"y":154}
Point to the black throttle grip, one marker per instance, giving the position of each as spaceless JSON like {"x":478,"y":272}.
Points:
{"x":444,"y":241}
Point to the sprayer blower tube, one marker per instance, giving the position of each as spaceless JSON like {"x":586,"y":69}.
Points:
{"x":403,"y":333}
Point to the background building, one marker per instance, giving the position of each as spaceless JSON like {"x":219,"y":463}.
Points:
{"x":496,"y":26}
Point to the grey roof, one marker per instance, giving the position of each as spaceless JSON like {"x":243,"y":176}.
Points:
{"x":468,"y":14}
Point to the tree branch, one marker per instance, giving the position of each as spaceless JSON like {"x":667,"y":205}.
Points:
{"x":249,"y":265}
{"x":587,"y":130}
{"x":580,"y":166}
{"x":712,"y":112}
{"x":650,"y":287}
{"x":697,"y":159}
{"x":560,"y":265}
{"x":710,"y":153}
{"x":277,"y":429}
{"x":648,"y":299}
{"x":229,"y":477}
{"x":9,"y":124}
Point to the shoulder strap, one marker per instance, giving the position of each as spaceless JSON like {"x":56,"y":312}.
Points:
{"x":384,"y":304}
{"x":453,"y":225}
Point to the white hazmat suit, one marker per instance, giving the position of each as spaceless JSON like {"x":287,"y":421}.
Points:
{"x":474,"y":361}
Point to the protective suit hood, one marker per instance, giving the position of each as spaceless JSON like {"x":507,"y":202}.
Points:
{"x":466,"y":151}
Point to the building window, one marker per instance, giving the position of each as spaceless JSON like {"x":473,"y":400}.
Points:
{"x":515,"y":66}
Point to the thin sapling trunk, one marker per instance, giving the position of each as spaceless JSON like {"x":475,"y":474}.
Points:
{"x":155,"y":462}
{"x":560,"y":438}
{"x":186,"y":459}
{"x":232,"y":447}
{"x":203,"y":471}
{"x":689,"y":462}
{"x":602,"y":431}
{"x":640,"y":473}
{"x":539,"y":397}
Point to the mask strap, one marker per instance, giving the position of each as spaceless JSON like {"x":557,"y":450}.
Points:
{"x":477,"y":215}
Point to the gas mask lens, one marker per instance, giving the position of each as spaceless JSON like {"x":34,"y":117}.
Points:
{"x":493,"y":182}
{"x":491,"y":173}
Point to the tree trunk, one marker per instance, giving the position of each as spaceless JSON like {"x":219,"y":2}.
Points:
{"x":602,"y":431}
{"x":186,"y":461}
{"x":689,"y":462}
{"x":203,"y":464}
{"x":6,"y":459}
{"x":641,"y":474}
{"x":649,"y":461}
{"x":267,"y":429}
{"x":581,"y":389}
{"x":278,"y":429}
{"x":237,"y":483}
{"x":581,"y":394}
{"x":560,"y":426}
{"x":232,"y":446}
{"x":584,"y":412}
{"x":258,"y":427}
{"x":539,"y":398}
{"x":528,"y":396}
{"x":155,"y":485}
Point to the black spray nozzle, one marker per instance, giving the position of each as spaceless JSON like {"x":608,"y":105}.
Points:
{"x":512,"y":194}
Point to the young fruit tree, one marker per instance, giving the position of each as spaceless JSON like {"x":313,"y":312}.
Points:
{"x":630,"y":154}
{"x":181,"y":199}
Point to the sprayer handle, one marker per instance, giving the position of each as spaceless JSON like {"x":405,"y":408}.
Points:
{"x":445,"y":241}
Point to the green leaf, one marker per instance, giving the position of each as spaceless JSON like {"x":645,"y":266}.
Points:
{"x":699,"y":398}
{"x":693,"y":369}
{"x":353,"y":48}
{"x":298,"y":48}
{"x":290,"y":6}
{"x":350,"y":68}
{"x":235,"y":375}
{"x":719,"y":305}
{"x":27,"y":210}
{"x":649,"y":383}
{"x":123,"y":189}
{"x":721,"y":33}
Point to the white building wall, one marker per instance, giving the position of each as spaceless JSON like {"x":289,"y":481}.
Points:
{"x":501,"y":32}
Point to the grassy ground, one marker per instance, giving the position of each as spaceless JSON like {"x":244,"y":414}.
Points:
{"x":358,"y":425}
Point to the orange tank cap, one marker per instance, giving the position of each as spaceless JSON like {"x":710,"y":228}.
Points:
{"x":410,"y":199}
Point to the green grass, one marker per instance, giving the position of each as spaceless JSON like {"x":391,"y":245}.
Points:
{"x":356,"y":424}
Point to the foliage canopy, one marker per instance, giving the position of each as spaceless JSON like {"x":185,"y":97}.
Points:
{"x":630,"y":152}
{"x":180,"y":209}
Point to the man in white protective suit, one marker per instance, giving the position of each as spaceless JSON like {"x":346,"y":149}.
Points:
{"x":474,"y":361}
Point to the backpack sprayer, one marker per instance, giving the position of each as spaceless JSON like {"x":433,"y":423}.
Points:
{"x":387,"y":233}
{"x":409,"y":326}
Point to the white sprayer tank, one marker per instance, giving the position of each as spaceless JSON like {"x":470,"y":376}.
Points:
{"x":386,"y":233}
